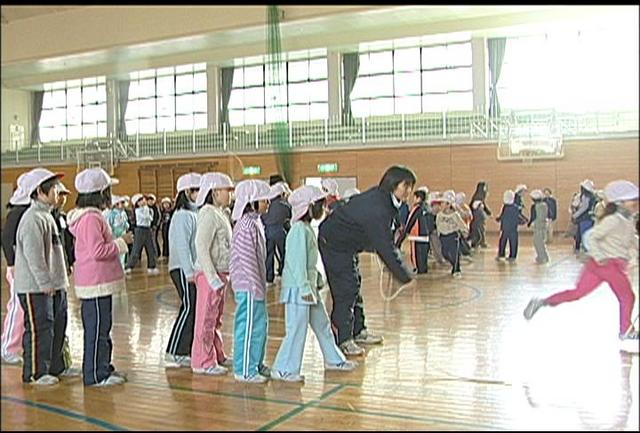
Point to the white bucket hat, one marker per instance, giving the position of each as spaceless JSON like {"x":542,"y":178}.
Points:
{"x":449,"y":196}
{"x":423,"y":188}
{"x":536,"y":194}
{"x":351,"y":192}
{"x":620,"y":190}
{"x":165,"y":200}
{"x":330,"y":185}
{"x":249,"y":191}
{"x":20,"y":195}
{"x":136,"y":198}
{"x":433,"y":196}
{"x":94,"y":180}
{"x":460,"y":198}
{"x":188,"y":181}
{"x":62,"y":189}
{"x":508,"y":197}
{"x":302,"y":197}
{"x":279,"y":188}
{"x":115,"y":199}
{"x":34,"y":178}
{"x":588,"y":185}
{"x":211,"y":181}
{"x":151,"y":196}
{"x":520,"y":187}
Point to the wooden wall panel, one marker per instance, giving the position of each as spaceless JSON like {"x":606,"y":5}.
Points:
{"x":439,"y":167}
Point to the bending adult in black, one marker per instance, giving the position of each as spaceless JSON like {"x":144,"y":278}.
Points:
{"x":364,"y":223}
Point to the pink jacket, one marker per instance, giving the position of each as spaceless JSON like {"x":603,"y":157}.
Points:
{"x":97,"y":270}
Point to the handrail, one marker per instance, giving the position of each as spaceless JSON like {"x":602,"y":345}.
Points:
{"x":327,"y":133}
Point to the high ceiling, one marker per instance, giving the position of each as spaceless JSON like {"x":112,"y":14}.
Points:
{"x":11,"y":14}
{"x":338,"y":28}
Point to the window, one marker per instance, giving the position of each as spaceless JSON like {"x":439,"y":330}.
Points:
{"x":167,"y":99}
{"x":414,"y":80}
{"x":73,"y":110}
{"x":571,"y":71}
{"x":304,"y":97}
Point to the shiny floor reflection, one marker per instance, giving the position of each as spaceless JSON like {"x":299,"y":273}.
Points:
{"x":457,"y":355}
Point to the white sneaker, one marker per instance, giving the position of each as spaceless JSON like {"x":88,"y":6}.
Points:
{"x":500,"y":259}
{"x":457,"y":275}
{"x":110,"y":381}
{"x":127,"y":271}
{"x":257,"y":378}
{"x":218,"y":370}
{"x":11,"y":359}
{"x":45,"y":380}
{"x":71,"y":372}
{"x":533,"y":306}
{"x":264,"y":370}
{"x":365,"y":338}
{"x":153,"y":271}
{"x":286,"y":376}
{"x":121,"y":374}
{"x":176,"y":361}
{"x":350,"y":348}
{"x":343,"y":366}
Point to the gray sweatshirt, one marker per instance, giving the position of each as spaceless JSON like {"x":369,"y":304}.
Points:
{"x":40,"y":262}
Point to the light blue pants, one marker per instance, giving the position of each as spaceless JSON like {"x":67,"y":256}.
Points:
{"x":250,"y":334}
{"x":297,"y":318}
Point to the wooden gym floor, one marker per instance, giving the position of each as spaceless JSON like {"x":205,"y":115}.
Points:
{"x":457,"y":355}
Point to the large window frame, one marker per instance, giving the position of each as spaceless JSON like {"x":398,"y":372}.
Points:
{"x":414,"y":79}
{"x":167,"y":99}
{"x":305,"y":97}
{"x":74,"y":110}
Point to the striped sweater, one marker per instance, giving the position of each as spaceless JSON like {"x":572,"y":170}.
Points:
{"x":247,"y":269}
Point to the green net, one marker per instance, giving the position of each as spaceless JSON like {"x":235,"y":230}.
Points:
{"x":276,"y":95}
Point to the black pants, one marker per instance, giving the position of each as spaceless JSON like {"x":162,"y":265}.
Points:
{"x":512,"y":237}
{"x":45,"y":324}
{"x":98,"y":347}
{"x":181,"y":336}
{"x":465,"y":248}
{"x":419,"y":255}
{"x":165,"y":240}
{"x":343,"y":276}
{"x":142,"y":238}
{"x":451,"y":250}
{"x":155,"y":231}
{"x":275,"y":237}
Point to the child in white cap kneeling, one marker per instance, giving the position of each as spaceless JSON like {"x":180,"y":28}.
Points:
{"x":300,"y":284}
{"x":248,"y":274}
{"x":612,"y":244}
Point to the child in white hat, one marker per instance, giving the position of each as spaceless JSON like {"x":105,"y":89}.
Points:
{"x":450,"y":228}
{"x":539,"y":219}
{"x":248,"y":274}
{"x":300,"y":284}
{"x":583,"y":215}
{"x":118,"y":221}
{"x":41,"y":283}
{"x":182,"y":262}
{"x":166,"y":211}
{"x":213,"y":242}
{"x":14,"y":320}
{"x":97,"y":272}
{"x":510,"y":218}
{"x":142,"y":236}
{"x":611,"y":245}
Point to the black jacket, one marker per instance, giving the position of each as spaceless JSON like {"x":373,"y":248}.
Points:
{"x":510,"y":218}
{"x":68,"y":240}
{"x":365,"y":223}
{"x":418,"y":216}
{"x":9,"y":232}
{"x":552,"y":207}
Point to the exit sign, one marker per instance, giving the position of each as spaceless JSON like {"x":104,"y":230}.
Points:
{"x":328,"y":168}
{"x":251,"y":170}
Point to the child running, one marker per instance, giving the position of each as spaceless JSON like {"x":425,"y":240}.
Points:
{"x":300,"y":284}
{"x":248,"y":275}
{"x":118,"y":221}
{"x":611,"y":244}
{"x":450,"y":228}
{"x":213,"y":242}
